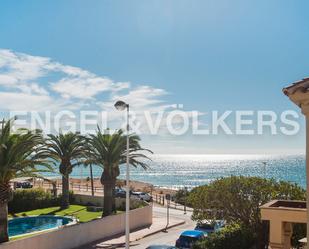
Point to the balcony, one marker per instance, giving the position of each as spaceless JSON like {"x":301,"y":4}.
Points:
{"x":281,"y":215}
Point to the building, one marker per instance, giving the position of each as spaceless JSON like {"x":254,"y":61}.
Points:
{"x":282,"y":214}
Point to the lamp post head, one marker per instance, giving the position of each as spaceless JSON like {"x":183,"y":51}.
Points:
{"x":120,"y":105}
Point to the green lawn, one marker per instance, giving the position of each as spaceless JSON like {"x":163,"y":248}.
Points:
{"x":77,"y":211}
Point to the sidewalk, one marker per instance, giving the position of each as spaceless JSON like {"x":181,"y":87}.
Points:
{"x":159,"y":224}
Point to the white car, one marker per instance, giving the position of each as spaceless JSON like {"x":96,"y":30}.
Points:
{"x":141,"y":196}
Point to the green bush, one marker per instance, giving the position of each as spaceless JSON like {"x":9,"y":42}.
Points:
{"x":237,"y":199}
{"x":30,"y":199}
{"x":232,"y":237}
{"x":181,"y":197}
{"x":299,"y":232}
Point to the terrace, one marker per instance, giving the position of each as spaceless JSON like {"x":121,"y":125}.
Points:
{"x":281,"y":216}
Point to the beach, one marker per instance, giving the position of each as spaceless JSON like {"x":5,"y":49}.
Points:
{"x":84,"y":186}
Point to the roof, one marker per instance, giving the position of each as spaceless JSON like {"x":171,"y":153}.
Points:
{"x":301,"y":85}
{"x":192,"y":233}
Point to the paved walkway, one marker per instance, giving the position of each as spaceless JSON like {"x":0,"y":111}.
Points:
{"x":159,"y":225}
{"x":169,"y":237}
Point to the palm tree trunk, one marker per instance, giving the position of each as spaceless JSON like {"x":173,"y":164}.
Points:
{"x":65,"y":203}
{"x":4,"y":236}
{"x":91,"y":178}
{"x":108,"y":199}
{"x":114,"y":197}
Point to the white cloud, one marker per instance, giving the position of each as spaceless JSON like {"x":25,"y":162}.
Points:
{"x":7,"y":80}
{"x":68,"y":70}
{"x":21,"y":71}
{"x":140,"y":98}
{"x":19,"y":101}
{"x":145,"y":99}
{"x":32,"y":88}
{"x":34,"y":83}
{"x":22,"y":67}
{"x":12,"y":101}
{"x":84,"y":87}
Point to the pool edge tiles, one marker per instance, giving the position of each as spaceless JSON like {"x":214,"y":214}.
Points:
{"x":72,"y":221}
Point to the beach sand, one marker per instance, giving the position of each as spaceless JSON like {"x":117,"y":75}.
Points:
{"x":134,"y":185}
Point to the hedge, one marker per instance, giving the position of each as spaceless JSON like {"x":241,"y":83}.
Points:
{"x":232,"y":237}
{"x":30,"y":199}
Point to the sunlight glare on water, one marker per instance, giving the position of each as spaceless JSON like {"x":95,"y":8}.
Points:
{"x":178,"y":171}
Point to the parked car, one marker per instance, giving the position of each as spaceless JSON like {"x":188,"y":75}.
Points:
{"x":210,"y":226}
{"x":120,"y":193}
{"x":161,"y":247}
{"x":141,"y":196}
{"x":188,"y":238}
{"x":23,"y":185}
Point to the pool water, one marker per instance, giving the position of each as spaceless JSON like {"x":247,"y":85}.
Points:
{"x":19,"y":226}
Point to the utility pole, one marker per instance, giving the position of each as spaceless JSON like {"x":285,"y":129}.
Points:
{"x":121,"y":106}
{"x":264,"y":168}
{"x":185,"y":204}
{"x":168,"y":200}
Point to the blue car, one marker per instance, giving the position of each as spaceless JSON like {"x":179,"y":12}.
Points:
{"x":188,"y":238}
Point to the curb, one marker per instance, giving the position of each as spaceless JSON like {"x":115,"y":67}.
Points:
{"x":113,"y":246}
{"x":162,"y":229}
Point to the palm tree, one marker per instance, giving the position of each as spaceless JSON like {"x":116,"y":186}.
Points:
{"x":20,"y":154}
{"x":67,"y":150}
{"x":109,"y":151}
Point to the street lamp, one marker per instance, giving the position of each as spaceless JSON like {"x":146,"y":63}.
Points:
{"x":121,"y":106}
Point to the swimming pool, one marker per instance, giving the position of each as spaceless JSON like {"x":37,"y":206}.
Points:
{"x":24,"y":225}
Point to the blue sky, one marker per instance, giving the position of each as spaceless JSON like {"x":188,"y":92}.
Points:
{"x":206,"y":55}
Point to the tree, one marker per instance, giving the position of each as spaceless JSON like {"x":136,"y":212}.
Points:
{"x":232,"y":236}
{"x":109,"y":151}
{"x":20,"y":154}
{"x":237,"y":199}
{"x":181,"y":196}
{"x":68,"y":150}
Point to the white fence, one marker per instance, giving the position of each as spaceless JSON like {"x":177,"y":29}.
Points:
{"x":85,"y":233}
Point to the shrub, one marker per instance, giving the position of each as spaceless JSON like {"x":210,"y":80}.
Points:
{"x":30,"y":199}
{"x":181,"y":197}
{"x":232,"y":237}
{"x":134,"y":204}
{"x":299,"y":232}
{"x":71,"y":198}
{"x":237,"y":199}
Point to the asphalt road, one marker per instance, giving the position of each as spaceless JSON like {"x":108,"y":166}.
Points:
{"x":169,"y":237}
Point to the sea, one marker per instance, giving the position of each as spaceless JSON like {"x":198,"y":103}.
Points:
{"x":179,"y":171}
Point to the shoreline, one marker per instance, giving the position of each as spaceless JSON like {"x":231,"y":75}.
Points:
{"x":134,"y":185}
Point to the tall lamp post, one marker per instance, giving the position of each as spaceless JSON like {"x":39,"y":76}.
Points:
{"x":121,"y":106}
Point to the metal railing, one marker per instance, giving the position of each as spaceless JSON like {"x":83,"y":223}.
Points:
{"x":161,"y":200}
{"x":73,"y":186}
